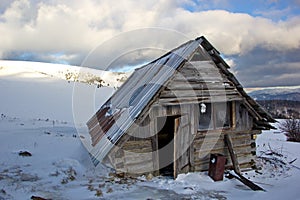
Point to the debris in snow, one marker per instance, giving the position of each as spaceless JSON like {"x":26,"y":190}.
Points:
{"x":99,"y":193}
{"x":38,"y":198}
{"x":70,"y":176}
{"x":188,"y":188}
{"x":47,"y":132}
{"x":274,"y":162}
{"x":149,"y":177}
{"x":25,"y":154}
{"x":291,"y":162}
{"x":29,"y":177}
{"x":109,"y":190}
{"x":2,"y":191}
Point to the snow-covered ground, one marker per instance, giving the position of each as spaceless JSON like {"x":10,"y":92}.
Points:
{"x":36,"y":117}
{"x":60,"y":168}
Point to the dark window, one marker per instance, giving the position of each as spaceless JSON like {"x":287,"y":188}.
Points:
{"x":205,"y":116}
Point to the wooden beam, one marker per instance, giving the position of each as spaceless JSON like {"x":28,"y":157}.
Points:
{"x":233,"y":156}
{"x":236,"y":166}
{"x":233,"y":110}
{"x":176,"y":164}
{"x":154,"y":142}
{"x":247,"y":182}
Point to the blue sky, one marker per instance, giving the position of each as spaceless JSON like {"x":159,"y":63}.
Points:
{"x":260,"y":39}
{"x":273,"y":9}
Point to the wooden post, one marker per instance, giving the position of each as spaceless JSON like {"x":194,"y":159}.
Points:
{"x":176,"y":127}
{"x":154,"y":142}
{"x":233,"y":110}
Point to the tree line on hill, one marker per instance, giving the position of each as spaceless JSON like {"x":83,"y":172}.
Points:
{"x":282,"y":109}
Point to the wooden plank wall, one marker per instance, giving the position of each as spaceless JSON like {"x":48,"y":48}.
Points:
{"x":212,"y":141}
{"x":201,"y":81}
{"x":198,"y":81}
{"x":137,"y":153}
{"x":133,"y":154}
{"x":243,"y":120}
{"x":181,"y":98}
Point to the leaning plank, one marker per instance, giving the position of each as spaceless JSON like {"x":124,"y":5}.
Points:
{"x":247,"y":182}
{"x":233,"y":156}
{"x":236,"y":167}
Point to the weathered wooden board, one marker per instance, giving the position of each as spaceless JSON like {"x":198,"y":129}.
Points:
{"x":137,"y":158}
{"x":204,"y":167}
{"x":161,"y":111}
{"x":242,"y":158}
{"x":201,"y":65}
{"x":154,"y":143}
{"x":211,"y":137}
{"x":136,"y":144}
{"x":200,"y":79}
{"x":196,"y":93}
{"x":182,"y":142}
{"x":196,"y":100}
{"x":202,"y":86}
{"x":234,"y":133}
{"x":141,"y":168}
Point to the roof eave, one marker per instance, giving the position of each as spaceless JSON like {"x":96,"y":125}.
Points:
{"x":259,"y":112}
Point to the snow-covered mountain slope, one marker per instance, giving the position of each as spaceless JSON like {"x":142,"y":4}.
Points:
{"x":27,"y":69}
{"x":277,"y":94}
{"x":40,"y":90}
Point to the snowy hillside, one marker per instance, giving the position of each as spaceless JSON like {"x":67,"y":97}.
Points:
{"x":279,"y":102}
{"x":40,"y":90}
{"x":277,"y":94}
{"x":41,"y":153}
{"x":67,"y":72}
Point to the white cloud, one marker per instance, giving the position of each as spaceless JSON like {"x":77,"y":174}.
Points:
{"x":235,"y":33}
{"x":75,"y":27}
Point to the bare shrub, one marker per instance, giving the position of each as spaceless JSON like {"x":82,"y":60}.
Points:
{"x":291,"y":128}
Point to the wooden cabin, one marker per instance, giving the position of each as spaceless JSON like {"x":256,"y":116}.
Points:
{"x":172,"y":113}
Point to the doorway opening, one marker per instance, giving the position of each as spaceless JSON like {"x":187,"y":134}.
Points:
{"x":165,"y":137}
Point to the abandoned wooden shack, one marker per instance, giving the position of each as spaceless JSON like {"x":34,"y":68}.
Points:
{"x":171,"y":114}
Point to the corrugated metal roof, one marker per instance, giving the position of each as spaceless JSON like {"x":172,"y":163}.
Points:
{"x":134,"y":95}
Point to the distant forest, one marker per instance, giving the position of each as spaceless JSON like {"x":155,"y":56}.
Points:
{"x":282,"y":109}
